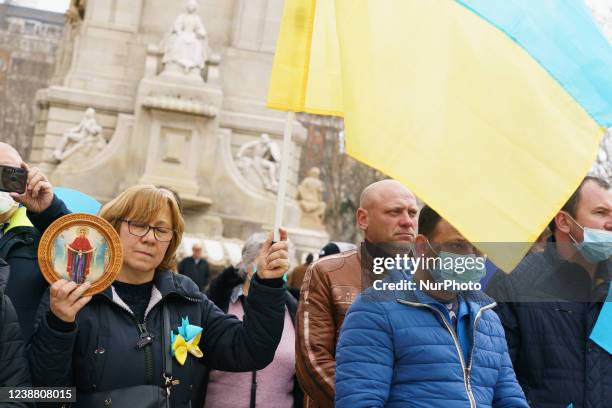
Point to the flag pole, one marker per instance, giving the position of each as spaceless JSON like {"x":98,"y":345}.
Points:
{"x":282,"y":182}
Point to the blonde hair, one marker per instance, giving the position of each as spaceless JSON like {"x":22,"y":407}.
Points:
{"x":142,"y":203}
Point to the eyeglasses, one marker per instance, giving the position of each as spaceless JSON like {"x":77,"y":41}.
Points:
{"x":140,"y":229}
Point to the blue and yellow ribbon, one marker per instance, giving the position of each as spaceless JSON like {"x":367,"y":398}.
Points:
{"x":186,"y":341}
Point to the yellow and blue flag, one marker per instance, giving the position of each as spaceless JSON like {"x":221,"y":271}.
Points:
{"x":491,"y":111}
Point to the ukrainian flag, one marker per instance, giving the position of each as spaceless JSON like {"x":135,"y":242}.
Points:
{"x":491,"y":111}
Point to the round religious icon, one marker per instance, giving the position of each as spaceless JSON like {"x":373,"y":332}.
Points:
{"x":81,"y":248}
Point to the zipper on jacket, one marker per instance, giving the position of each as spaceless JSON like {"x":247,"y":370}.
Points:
{"x":478,"y":315}
{"x":145,"y":342}
{"x":466,"y":373}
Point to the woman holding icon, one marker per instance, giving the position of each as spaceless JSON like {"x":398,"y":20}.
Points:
{"x":152,"y":330}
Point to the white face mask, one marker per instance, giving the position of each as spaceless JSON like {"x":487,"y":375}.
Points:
{"x":6,"y":202}
{"x":596,"y":245}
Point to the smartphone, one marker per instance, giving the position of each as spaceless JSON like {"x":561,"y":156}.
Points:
{"x":13,"y":179}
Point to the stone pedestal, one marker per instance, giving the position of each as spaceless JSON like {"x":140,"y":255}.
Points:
{"x":311,"y":222}
{"x":176,"y":122}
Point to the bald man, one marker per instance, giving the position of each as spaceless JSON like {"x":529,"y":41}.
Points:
{"x":195,"y":267}
{"x":19,"y":246}
{"x":387,"y":213}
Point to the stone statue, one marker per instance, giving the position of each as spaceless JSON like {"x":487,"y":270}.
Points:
{"x":74,"y":17}
{"x":88,"y":133}
{"x":310,"y":197}
{"x":186,"y":47}
{"x":263,"y":156}
{"x":603,"y":164}
{"x":76,"y":12}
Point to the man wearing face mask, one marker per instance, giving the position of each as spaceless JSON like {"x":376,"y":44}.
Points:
{"x":551,"y":302}
{"x":18,"y":247}
{"x":387,"y":213}
{"x":430,"y":345}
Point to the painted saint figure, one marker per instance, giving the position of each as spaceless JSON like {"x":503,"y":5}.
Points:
{"x":80,"y":253}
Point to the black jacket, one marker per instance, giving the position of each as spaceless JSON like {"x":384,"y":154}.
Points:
{"x":549,"y":307}
{"x":101,"y":354}
{"x":220,"y":292}
{"x":198,"y":273}
{"x":26,"y":286}
{"x":13,"y":362}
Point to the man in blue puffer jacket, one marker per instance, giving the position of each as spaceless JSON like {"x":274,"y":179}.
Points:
{"x":430,"y":345}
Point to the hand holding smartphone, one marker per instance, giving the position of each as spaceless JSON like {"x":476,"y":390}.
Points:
{"x":13,"y":179}
{"x":36,"y":190}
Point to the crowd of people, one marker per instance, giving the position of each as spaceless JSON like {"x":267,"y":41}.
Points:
{"x":324,"y":337}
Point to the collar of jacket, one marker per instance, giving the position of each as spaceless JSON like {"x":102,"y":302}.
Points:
{"x":604,"y":268}
{"x":372,"y":250}
{"x":236,"y":293}
{"x":474,"y":298}
{"x":366,"y":252}
{"x":19,"y":219}
{"x":168,"y":284}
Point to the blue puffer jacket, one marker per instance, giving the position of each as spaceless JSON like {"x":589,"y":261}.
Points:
{"x":397,"y":350}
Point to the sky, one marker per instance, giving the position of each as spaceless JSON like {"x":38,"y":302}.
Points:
{"x":59,"y":6}
{"x":602,"y":7}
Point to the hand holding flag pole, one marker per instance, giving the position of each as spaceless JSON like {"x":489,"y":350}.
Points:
{"x":282,"y":182}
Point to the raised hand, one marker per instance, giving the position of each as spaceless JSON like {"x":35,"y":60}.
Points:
{"x":273,"y":257}
{"x":38,"y":195}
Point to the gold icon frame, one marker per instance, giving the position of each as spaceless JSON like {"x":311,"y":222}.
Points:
{"x":102,"y":227}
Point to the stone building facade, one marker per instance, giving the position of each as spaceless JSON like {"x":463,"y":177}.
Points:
{"x":28,"y":42}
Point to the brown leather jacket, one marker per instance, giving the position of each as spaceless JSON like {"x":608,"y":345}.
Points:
{"x":330,"y":286}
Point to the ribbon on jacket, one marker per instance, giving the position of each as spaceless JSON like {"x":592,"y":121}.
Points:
{"x":186,"y":341}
